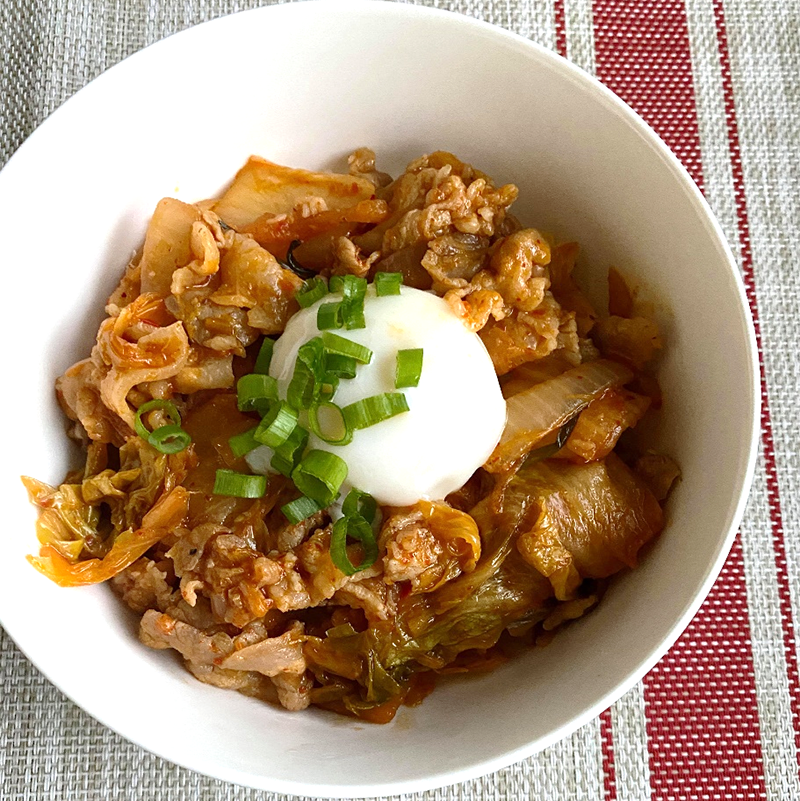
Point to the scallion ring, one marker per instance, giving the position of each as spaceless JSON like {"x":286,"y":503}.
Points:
{"x":387,"y":283}
{"x":319,"y":476}
{"x":329,"y":315}
{"x":359,"y":529}
{"x":169,"y":439}
{"x":308,"y":374}
{"x":172,"y":438}
{"x":298,"y":510}
{"x":354,"y":290}
{"x":341,"y":436}
{"x":288,"y":455}
{"x":375,"y":409}
{"x":341,"y":366}
{"x":409,"y":368}
{"x":360,"y":503}
{"x":334,"y":344}
{"x":241,"y":444}
{"x":311,"y":291}
{"x":255,"y":391}
{"x":277,"y":425}
{"x":239,"y":485}
{"x":264,"y":358}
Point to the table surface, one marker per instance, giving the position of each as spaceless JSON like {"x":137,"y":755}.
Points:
{"x":718,"y":718}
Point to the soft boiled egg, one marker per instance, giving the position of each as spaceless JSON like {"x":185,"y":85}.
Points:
{"x":456,"y":412}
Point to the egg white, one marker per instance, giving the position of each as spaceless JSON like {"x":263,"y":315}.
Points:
{"x":457,"y":412}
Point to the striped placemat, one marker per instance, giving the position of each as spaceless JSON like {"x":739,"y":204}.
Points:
{"x":719,"y":717}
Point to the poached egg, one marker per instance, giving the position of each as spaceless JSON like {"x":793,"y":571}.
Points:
{"x":456,"y":413}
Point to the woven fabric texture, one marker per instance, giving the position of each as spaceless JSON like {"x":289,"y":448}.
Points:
{"x":719,"y":717}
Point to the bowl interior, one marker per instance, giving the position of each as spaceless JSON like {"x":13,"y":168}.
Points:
{"x":288,"y":84}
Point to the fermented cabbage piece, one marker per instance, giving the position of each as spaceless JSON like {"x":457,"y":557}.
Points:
{"x":262,"y":187}
{"x":582,"y":521}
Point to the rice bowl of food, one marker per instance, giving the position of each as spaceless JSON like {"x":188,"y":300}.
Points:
{"x":365,"y":408}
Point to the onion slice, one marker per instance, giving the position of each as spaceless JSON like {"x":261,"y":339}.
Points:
{"x":540,"y":410}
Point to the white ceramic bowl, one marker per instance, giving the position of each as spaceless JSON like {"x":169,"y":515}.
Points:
{"x":303,"y":85}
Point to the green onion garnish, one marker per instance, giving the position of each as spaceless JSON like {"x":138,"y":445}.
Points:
{"x":264,"y":357}
{"x":387,"y":283}
{"x":333,"y":432}
{"x":287,"y":456}
{"x":302,"y":388}
{"x":354,"y":290}
{"x":409,"y":367}
{"x":299,"y":510}
{"x":254,"y":391}
{"x":375,"y":409}
{"x":311,"y":291}
{"x":277,"y":425}
{"x":360,"y":503}
{"x":170,"y":438}
{"x":319,"y":476}
{"x":359,"y":529}
{"x":342,"y":366}
{"x":308,"y":374}
{"x":334,"y":344}
{"x":243,"y":443}
{"x":239,"y":485}
{"x":329,"y":315}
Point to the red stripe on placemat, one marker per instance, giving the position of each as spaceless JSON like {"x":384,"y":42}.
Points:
{"x":609,"y":765}
{"x":561,"y":28}
{"x":702,"y":716}
{"x":773,"y":491}
{"x":642,"y":54}
{"x":700,"y":700}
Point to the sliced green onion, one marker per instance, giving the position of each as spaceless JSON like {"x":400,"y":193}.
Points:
{"x":239,"y":485}
{"x":334,"y":344}
{"x":243,"y":443}
{"x":254,"y":392}
{"x":319,"y":476}
{"x":329,"y":315}
{"x":360,"y":503}
{"x":339,"y":365}
{"x":304,"y":387}
{"x":375,"y":409}
{"x":387,"y":283}
{"x":409,"y":367}
{"x":161,"y":405}
{"x":170,"y":438}
{"x":288,"y":455}
{"x":311,"y":291}
{"x":281,"y":465}
{"x":264,"y":358}
{"x":354,"y":290}
{"x":277,"y":425}
{"x":299,"y":510}
{"x":359,"y":529}
{"x":342,"y":435}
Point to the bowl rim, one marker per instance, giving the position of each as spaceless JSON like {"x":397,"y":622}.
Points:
{"x":496,"y":34}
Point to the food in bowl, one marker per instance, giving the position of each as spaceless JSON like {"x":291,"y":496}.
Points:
{"x":345,"y":434}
